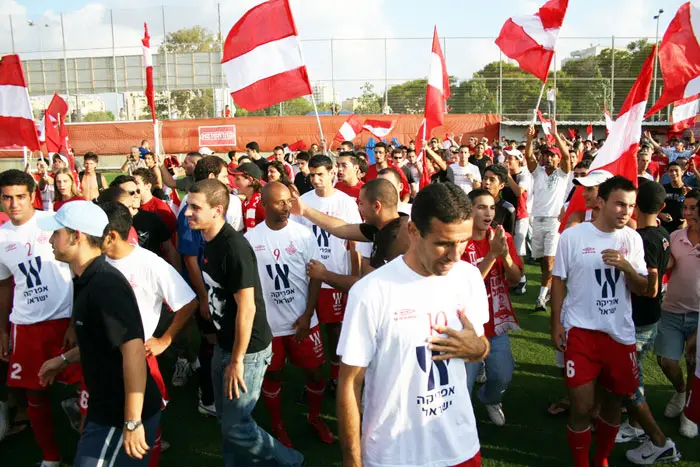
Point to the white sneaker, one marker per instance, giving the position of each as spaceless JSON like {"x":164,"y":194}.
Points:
{"x":4,"y":420}
{"x":207,"y":409}
{"x":50,"y":464}
{"x":496,"y":414}
{"x":688,"y":429}
{"x":481,"y":376}
{"x":675,"y":406}
{"x":628,"y":433}
{"x":649,"y":454}
{"x":182,"y":372}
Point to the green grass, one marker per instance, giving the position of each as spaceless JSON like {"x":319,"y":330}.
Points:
{"x":530,"y":437}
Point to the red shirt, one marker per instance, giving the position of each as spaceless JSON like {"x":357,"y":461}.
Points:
{"x":161,"y":208}
{"x":653,"y":169}
{"x":501,"y":315}
{"x":352,"y":191}
{"x":372,"y":174}
{"x":661,"y":162}
{"x":3,"y":218}
{"x":253,"y":212}
{"x":38,"y":202}
{"x":57,"y":204}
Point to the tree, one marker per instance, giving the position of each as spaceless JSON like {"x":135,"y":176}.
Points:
{"x":99,"y":116}
{"x":369,"y":102}
{"x":408,"y":97}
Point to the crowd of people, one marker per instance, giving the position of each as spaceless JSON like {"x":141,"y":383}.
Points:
{"x":392,"y":297}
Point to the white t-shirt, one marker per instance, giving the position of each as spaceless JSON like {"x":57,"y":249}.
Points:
{"x":364,"y":249}
{"x":333,"y":251}
{"x":417,"y":412}
{"x":43,"y":286}
{"x":234,"y":213}
{"x":549,"y":192}
{"x":154,"y":281}
{"x":597,"y":296}
{"x":282,"y":257}
{"x":405,"y":208}
{"x":461,"y":179}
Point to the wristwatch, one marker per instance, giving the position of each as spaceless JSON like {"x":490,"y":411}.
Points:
{"x":132,"y":425}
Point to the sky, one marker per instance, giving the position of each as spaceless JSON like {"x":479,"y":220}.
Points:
{"x":407,"y":25}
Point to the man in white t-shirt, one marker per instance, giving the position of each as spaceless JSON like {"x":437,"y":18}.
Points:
{"x":334,"y":253}
{"x":38,"y":319}
{"x":467,"y":175}
{"x":283,"y":247}
{"x":549,"y":184}
{"x":417,"y":409}
{"x":597,"y":265}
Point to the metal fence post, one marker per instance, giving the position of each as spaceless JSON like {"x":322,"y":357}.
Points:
{"x":165,"y":59}
{"x":333,"y":78}
{"x":612,"y":78}
{"x":114,"y":61}
{"x":12,"y":34}
{"x":386,"y":77}
{"x":499,"y":101}
{"x":65,"y":62}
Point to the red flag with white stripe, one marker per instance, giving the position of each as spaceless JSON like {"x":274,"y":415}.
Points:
{"x":380,"y":128}
{"x":546,"y":128}
{"x":148,"y":63}
{"x":262,"y":57}
{"x":349,"y":129}
{"x":608,"y":120}
{"x":679,"y":57}
{"x":17,"y":126}
{"x":589,"y":132}
{"x":684,"y":114}
{"x":530,"y":40}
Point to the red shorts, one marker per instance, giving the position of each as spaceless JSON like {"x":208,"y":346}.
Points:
{"x":473,"y":462}
{"x":594,"y":355}
{"x":307,"y":354}
{"x":32,"y":345}
{"x":330,"y":307}
{"x":692,"y":405}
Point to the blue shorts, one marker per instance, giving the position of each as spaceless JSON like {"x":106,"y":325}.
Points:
{"x":674,"y":330}
{"x":645,"y":336}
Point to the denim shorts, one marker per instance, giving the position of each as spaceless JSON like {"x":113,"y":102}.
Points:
{"x":674,"y":330}
{"x":645,"y":336}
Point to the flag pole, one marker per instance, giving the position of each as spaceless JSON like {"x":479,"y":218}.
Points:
{"x":26,"y":158}
{"x":156,"y":140}
{"x":318,"y":121}
{"x":537,"y":107}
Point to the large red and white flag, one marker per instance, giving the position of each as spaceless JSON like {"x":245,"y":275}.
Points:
{"x":148,"y":63}
{"x":684,"y":114}
{"x":530,"y":40}
{"x":679,"y":58}
{"x":349,"y":129}
{"x":262,"y":57}
{"x":17,"y":127}
{"x":618,"y":156}
{"x":380,"y":128}
{"x":438,"y":90}
{"x":546,"y":128}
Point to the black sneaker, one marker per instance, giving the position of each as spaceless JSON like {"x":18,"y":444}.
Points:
{"x":520,"y":289}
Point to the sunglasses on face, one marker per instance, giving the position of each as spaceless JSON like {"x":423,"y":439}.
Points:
{"x":134,"y":192}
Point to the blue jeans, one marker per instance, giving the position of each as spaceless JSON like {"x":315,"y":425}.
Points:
{"x":674,"y":330}
{"x":645,"y":336}
{"x":244,"y":443}
{"x":499,"y":371}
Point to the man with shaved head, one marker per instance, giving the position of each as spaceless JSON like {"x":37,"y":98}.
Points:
{"x":283,"y":247}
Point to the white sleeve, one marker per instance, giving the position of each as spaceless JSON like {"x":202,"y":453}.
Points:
{"x":176,"y":293}
{"x":234,"y":215}
{"x":561,"y":260}
{"x":478,"y":301}
{"x":352,"y":213}
{"x":5,"y":271}
{"x":636,"y":258}
{"x":477,"y":174}
{"x":364,"y":249}
{"x":358,"y":336}
{"x":524,"y":182}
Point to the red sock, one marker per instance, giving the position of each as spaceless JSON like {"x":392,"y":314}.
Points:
{"x":335,"y":369}
{"x":154,"y":459}
{"x":314,"y":394}
{"x":272,"y":395}
{"x":605,"y":434}
{"x":41,"y":418}
{"x":580,"y":444}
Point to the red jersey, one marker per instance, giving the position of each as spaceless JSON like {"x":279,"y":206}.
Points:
{"x":352,"y":191}
{"x":661,"y":162}
{"x":38,"y":202}
{"x":57,"y":204}
{"x":253,"y":212}
{"x":372,"y":174}
{"x":501,"y":314}
{"x":653,"y":169}
{"x":161,"y":208}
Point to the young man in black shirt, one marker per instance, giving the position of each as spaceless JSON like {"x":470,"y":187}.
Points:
{"x":646,"y":311}
{"x":671,"y":215}
{"x":301,"y":180}
{"x":243,"y":349}
{"x":123,"y":395}
{"x":494,"y":180}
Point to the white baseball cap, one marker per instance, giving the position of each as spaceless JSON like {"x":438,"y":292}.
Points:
{"x":594,"y":178}
{"x":83,"y":216}
{"x":514,"y":153}
{"x":205,"y":151}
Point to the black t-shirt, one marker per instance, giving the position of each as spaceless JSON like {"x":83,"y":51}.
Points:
{"x":443,"y":176}
{"x":657,"y":253}
{"x":505,"y":216}
{"x":229,"y":266}
{"x":262,"y":163}
{"x":383,"y":240}
{"x":105,"y":316}
{"x":301,"y":181}
{"x":152,"y":231}
{"x":482,"y":163}
{"x":674,"y":207}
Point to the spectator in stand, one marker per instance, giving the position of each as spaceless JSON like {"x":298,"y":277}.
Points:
{"x":678,"y":149}
{"x":495,"y":179}
{"x":44,"y":187}
{"x":145,"y":182}
{"x":252,"y":149}
{"x":301,"y":180}
{"x":479,"y":158}
{"x":184,"y":183}
{"x":516,"y":192}
{"x":467,"y":175}
{"x":91,"y":182}
{"x":65,"y":188}
{"x":348,"y":175}
{"x":133,"y":161}
{"x":144,"y":148}
{"x":671,"y":215}
{"x":152,"y":165}
{"x":248,"y":182}
{"x":278,"y":155}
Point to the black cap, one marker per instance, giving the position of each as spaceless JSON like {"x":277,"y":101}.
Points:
{"x":249,"y":169}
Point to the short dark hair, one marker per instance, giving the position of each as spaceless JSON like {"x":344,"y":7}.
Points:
{"x":208,"y":165}
{"x":584,"y":164}
{"x":445,"y":202}
{"x":381,"y":190}
{"x":350,"y":155}
{"x":146,"y":175}
{"x":674,"y":164}
{"x":478,"y":192}
{"x":303,"y":156}
{"x":278,"y":148}
{"x":232,"y":155}
{"x":362,"y":165}
{"x":499,"y":171}
{"x":381,"y":144}
{"x":215,"y":192}
{"x":694,"y":194}
{"x":253,"y":146}
{"x":111,"y":194}
{"x":15,"y":177}
{"x":618,"y":182}
{"x":349,"y":144}
{"x":90,"y":156}
{"x":651,"y":197}
{"x":391,"y":171}
{"x":119,"y":217}
{"x":193,"y":154}
{"x":321,"y":161}
{"x":93,"y":241}
{"x":119,"y":179}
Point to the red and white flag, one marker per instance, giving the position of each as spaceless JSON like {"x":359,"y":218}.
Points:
{"x":679,"y":58}
{"x":380,"y":128}
{"x":262,"y":57}
{"x":589,"y":132}
{"x":17,"y":126}
{"x":438,"y":90}
{"x":530,"y":40}
{"x":148,"y":63}
{"x":297,"y":146}
{"x":608,"y":121}
{"x":546,"y":128}
{"x":349,"y":129}
{"x":684,"y":114}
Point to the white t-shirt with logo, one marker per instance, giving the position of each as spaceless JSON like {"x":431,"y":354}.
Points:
{"x":548,"y":191}
{"x":597,"y":296}
{"x":282,"y":257}
{"x":461,"y":179}
{"x":333,"y":251}
{"x":417,"y":412}
{"x":154,"y":281}
{"x":43,"y":286}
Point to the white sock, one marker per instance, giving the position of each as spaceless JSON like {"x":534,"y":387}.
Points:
{"x":523,"y":280}
{"x":543,"y":292}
